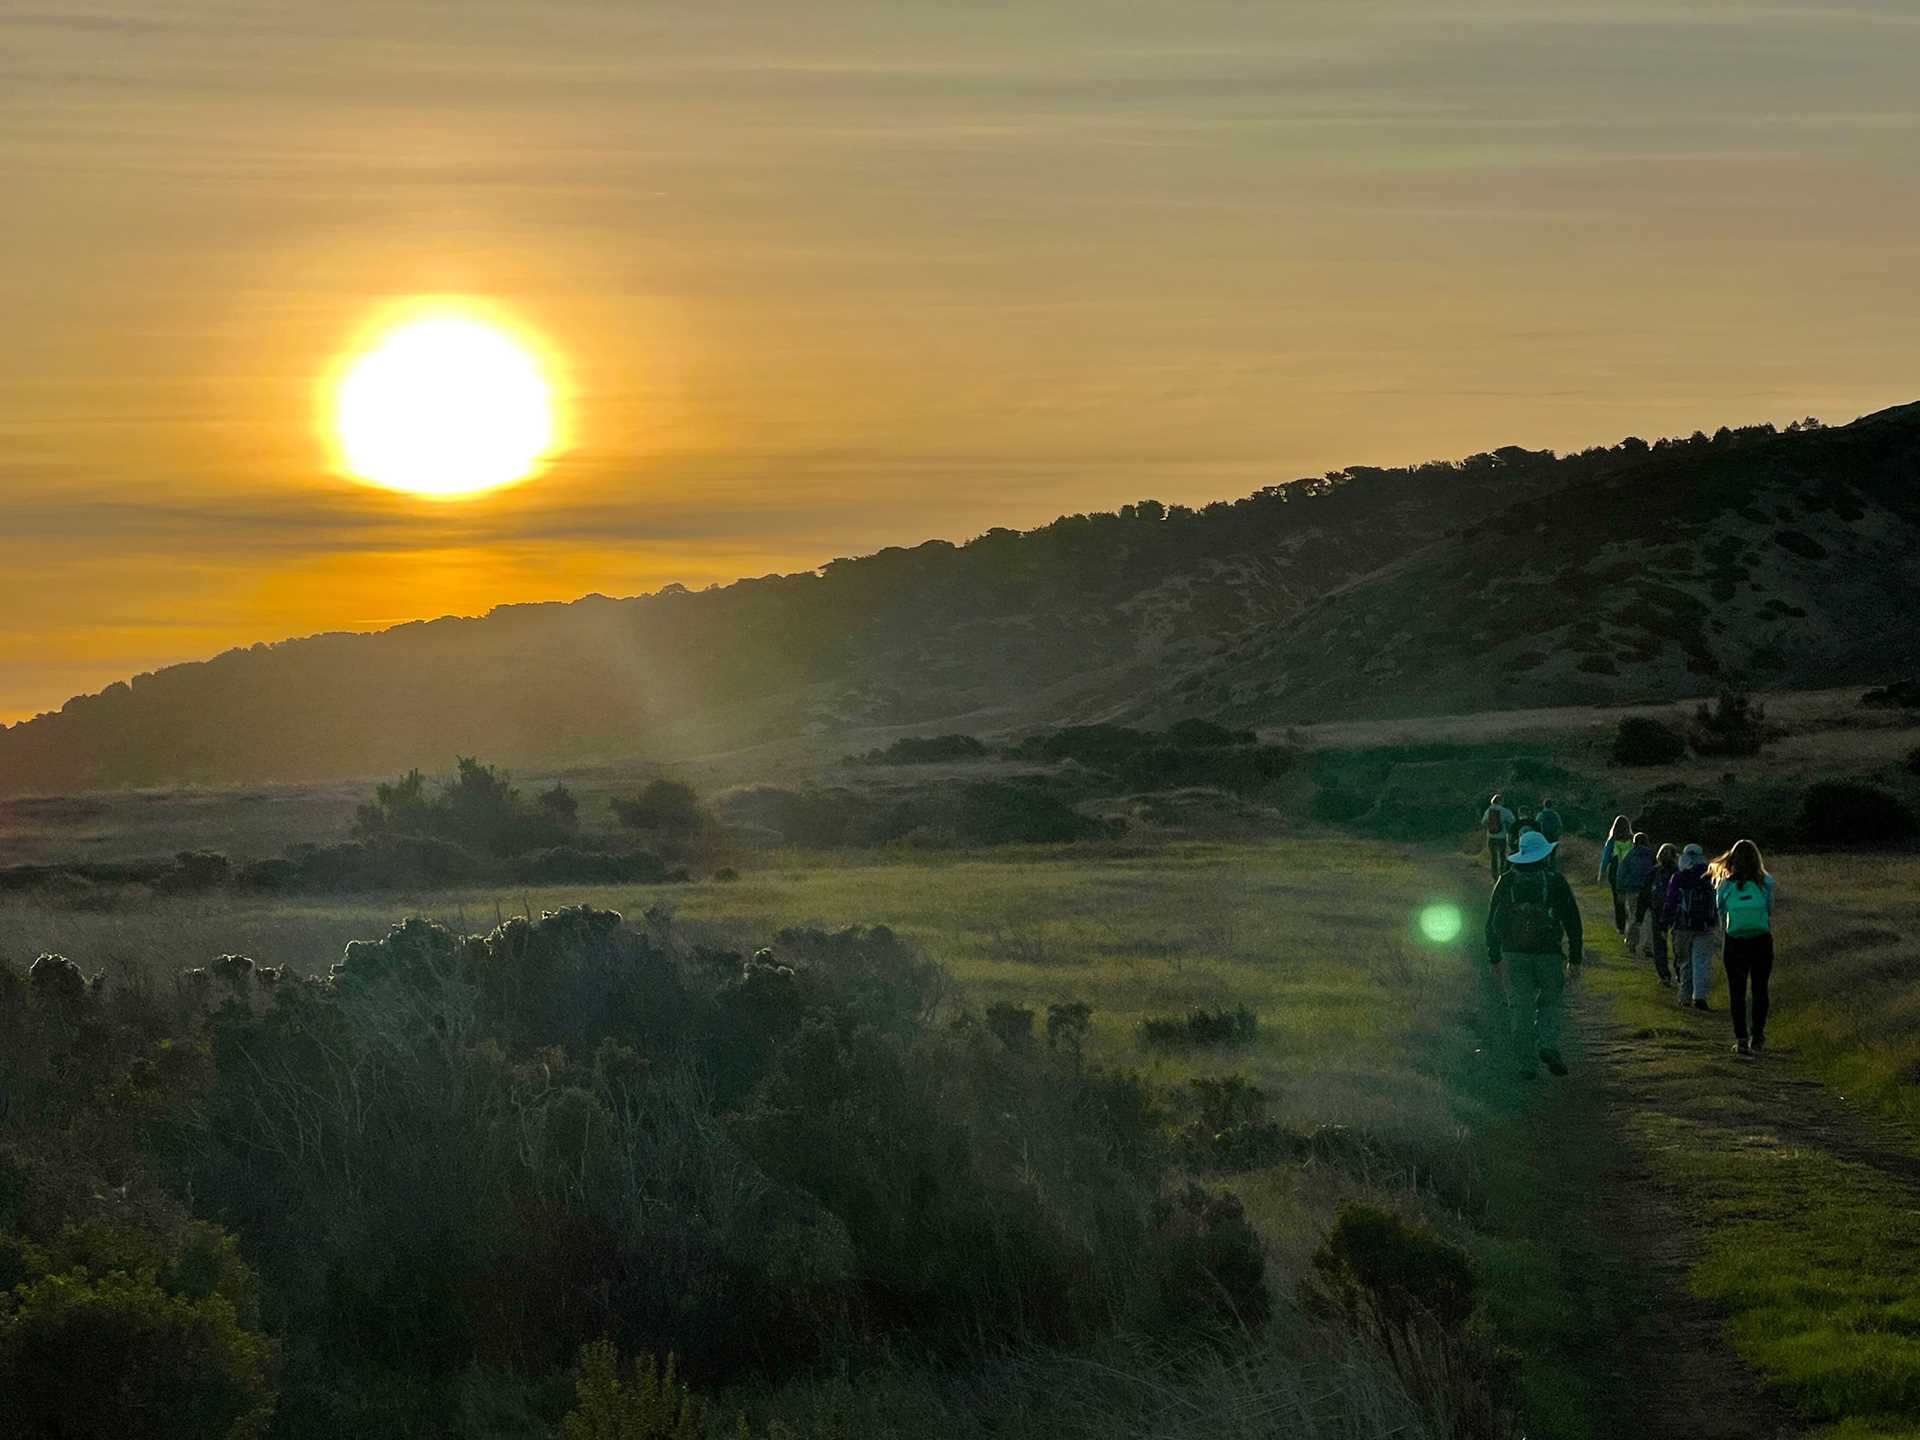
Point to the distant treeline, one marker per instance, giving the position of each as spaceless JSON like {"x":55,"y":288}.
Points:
{"x":900,"y":637}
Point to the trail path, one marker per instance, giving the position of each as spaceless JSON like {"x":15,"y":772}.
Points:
{"x":1627,"y":1233}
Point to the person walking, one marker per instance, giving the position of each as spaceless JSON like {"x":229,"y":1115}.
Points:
{"x":1743,"y":896}
{"x":1549,"y":822}
{"x":1630,"y":878}
{"x":1651,"y":908}
{"x":1612,"y":850}
{"x":1497,"y":819}
{"x":1692,"y":919}
{"x":1531,"y":913}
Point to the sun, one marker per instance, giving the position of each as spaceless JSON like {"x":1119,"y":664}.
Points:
{"x":444,"y":404}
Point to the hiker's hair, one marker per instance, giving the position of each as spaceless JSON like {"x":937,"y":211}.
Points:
{"x":1496,"y":798}
{"x":1741,"y":864}
{"x":1668,"y":853}
{"x":1639,"y":837}
{"x":1621,"y":828}
{"x":1546,"y":804}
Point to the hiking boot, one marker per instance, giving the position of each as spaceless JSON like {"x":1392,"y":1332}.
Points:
{"x":1550,"y":1057}
{"x":1701,"y":1005}
{"x":1742,"y":1049}
{"x":1756,"y":1045}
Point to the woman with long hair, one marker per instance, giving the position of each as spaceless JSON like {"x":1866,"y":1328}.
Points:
{"x":1612,"y":851}
{"x":1743,"y":895}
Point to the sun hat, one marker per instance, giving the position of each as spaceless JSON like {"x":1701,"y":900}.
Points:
{"x":1691,"y":856}
{"x":1534,"y":847}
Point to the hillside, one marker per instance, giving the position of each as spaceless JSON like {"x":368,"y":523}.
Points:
{"x":1510,"y":578}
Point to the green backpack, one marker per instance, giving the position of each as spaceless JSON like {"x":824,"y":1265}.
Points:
{"x":1746,"y":906}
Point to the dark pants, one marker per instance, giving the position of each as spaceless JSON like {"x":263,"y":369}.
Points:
{"x":1620,"y":911}
{"x":1496,"y":855}
{"x":1748,"y":957}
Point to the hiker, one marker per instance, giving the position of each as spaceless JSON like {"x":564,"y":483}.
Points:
{"x":1692,"y":917}
{"x":1651,"y":908}
{"x":1497,"y":819}
{"x":1630,"y":879}
{"x":1532,"y":909}
{"x":1619,"y":840}
{"x":1743,"y":897}
{"x":1550,"y":823}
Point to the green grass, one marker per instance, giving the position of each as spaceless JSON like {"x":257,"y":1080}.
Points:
{"x":1813,"y":1252}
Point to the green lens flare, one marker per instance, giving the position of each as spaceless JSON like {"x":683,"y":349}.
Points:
{"x":1441,"y":923}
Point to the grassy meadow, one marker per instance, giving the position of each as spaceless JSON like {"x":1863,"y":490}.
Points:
{"x":1362,"y":961}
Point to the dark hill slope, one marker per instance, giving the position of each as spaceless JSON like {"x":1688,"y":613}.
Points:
{"x":1783,"y":561}
{"x":1510,"y":577}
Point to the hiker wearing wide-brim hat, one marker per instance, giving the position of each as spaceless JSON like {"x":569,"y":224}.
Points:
{"x":1530,"y":918}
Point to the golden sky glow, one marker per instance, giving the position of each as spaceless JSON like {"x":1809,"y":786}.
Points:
{"x":840,"y":275}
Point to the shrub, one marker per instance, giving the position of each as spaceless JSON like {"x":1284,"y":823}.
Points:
{"x":476,"y":807}
{"x":565,"y":864}
{"x":1913,"y":761}
{"x":1337,"y":804}
{"x":1733,"y":724}
{"x":638,"y":1400}
{"x":1642,"y":740}
{"x":666,"y":806}
{"x":1068,"y":1026}
{"x":1199,"y":734}
{"x":1200,"y":1027}
{"x":927,"y":750}
{"x":1210,"y":1262}
{"x":113,"y":1331}
{"x":1012,"y":1024}
{"x":1901,"y":694}
{"x":1845,"y":812}
{"x":1413,"y":1295}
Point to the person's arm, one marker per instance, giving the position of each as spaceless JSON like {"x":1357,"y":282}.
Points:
{"x":1767,"y":885}
{"x":1568,"y":909}
{"x":1496,"y":914}
{"x":1609,"y":858}
{"x":1670,"y":910}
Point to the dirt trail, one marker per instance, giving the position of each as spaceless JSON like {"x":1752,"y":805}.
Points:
{"x":1630,"y":1235}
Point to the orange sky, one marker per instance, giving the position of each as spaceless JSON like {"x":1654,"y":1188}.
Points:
{"x":833,"y":276}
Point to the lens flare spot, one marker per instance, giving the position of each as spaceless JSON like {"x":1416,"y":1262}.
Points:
{"x":1441,"y":923}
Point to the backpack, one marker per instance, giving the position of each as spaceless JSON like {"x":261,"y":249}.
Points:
{"x":1747,"y":910}
{"x":1633,"y":871}
{"x":1495,"y":825}
{"x":1530,"y":926}
{"x":1696,"y":909}
{"x":1549,"y":823}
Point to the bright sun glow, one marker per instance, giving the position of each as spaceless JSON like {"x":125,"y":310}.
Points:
{"x":444,"y":405}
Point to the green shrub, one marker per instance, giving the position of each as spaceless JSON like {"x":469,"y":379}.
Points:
{"x":1733,"y":724}
{"x":1901,"y":695}
{"x":1068,"y":1026}
{"x":1200,"y":1027}
{"x":1642,"y":740}
{"x":1337,"y":804}
{"x":1845,"y":812}
{"x":666,"y":806}
{"x":927,"y":750}
{"x":1012,"y":1024}
{"x":638,"y":1400}
{"x":110,"y":1331}
{"x":1913,"y":761}
{"x":1210,"y":1264}
{"x":1414,"y":1295}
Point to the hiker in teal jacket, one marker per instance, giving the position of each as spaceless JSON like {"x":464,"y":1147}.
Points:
{"x":1743,"y":900}
{"x":1532,"y":913}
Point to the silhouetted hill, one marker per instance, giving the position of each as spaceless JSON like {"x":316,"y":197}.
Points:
{"x":1512,"y":578}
